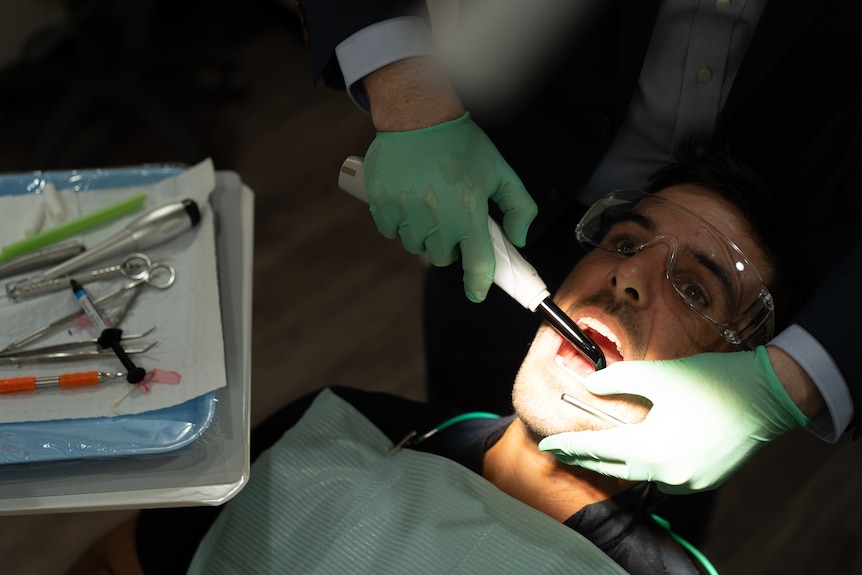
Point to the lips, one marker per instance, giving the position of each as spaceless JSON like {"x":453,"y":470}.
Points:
{"x":572,"y":361}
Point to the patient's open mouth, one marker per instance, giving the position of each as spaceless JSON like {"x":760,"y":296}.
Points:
{"x":572,"y":361}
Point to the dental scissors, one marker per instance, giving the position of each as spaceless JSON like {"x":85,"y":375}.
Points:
{"x":133,"y":267}
{"x":159,"y":276}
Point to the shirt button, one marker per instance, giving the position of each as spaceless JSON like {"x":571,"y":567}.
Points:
{"x":704,"y":75}
{"x":722,"y":4}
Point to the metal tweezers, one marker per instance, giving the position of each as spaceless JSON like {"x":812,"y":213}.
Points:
{"x":82,"y":349}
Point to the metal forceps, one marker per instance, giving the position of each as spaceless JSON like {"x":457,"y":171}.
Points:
{"x":133,"y":267}
{"x":157,"y":275}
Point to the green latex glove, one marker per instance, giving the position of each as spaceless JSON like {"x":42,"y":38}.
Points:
{"x":430,"y":187}
{"x":710,"y":413}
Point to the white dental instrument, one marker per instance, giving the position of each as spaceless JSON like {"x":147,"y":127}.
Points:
{"x":36,"y":219}
{"x":54,"y":203}
{"x":512,"y":273}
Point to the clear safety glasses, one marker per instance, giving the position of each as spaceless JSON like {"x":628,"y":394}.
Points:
{"x":707,"y":270}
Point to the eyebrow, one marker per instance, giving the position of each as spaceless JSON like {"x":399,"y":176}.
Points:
{"x":704,"y":260}
{"x":719,"y":272}
{"x":639,"y":219}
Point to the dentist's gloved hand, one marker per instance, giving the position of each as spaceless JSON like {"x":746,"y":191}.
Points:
{"x":710,"y":413}
{"x":431,"y":187}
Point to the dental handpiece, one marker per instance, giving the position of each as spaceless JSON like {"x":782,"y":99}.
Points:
{"x":512,"y":273}
{"x":151,"y":229}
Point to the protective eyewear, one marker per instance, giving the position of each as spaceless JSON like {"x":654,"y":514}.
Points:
{"x":707,"y":270}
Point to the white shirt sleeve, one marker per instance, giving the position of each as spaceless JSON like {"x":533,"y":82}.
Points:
{"x":376,"y":46}
{"x":817,"y":362}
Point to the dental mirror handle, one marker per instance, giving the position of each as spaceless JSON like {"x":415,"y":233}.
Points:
{"x":512,"y":273}
{"x":151,"y":229}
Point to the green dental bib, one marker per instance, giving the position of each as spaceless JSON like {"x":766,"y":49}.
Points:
{"x":325,"y":499}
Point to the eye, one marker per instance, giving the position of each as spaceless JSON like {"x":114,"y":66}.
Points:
{"x":693,"y":292}
{"x":621,"y":243}
{"x":703,"y":284}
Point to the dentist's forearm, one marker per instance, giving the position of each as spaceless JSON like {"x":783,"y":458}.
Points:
{"x":411,"y":94}
{"x":798,"y":385}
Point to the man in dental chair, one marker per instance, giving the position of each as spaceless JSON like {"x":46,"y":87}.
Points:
{"x":670,"y":272}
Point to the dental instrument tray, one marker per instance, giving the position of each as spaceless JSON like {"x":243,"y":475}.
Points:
{"x":151,"y":432}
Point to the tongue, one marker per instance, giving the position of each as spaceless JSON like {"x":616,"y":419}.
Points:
{"x":573,"y":361}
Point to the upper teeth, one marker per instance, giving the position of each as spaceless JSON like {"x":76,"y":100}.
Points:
{"x":602,"y":329}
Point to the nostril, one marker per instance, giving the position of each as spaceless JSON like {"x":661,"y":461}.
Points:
{"x":633,"y":293}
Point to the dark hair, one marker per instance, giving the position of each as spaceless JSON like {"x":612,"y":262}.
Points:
{"x":710,"y":165}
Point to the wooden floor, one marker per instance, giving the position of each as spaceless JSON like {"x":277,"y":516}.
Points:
{"x":334,"y":303}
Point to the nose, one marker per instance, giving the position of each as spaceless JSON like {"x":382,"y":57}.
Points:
{"x":637,"y":278}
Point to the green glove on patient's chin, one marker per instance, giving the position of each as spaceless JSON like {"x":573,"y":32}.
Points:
{"x":431,"y":187}
{"x":710,"y":413}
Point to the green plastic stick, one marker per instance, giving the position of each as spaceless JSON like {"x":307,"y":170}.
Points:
{"x":72,"y":227}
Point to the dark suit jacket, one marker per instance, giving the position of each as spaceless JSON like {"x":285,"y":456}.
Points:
{"x":794,"y":115}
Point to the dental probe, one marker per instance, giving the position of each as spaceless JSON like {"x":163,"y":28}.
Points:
{"x":151,"y":229}
{"x":512,"y":273}
{"x":595,"y":412}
